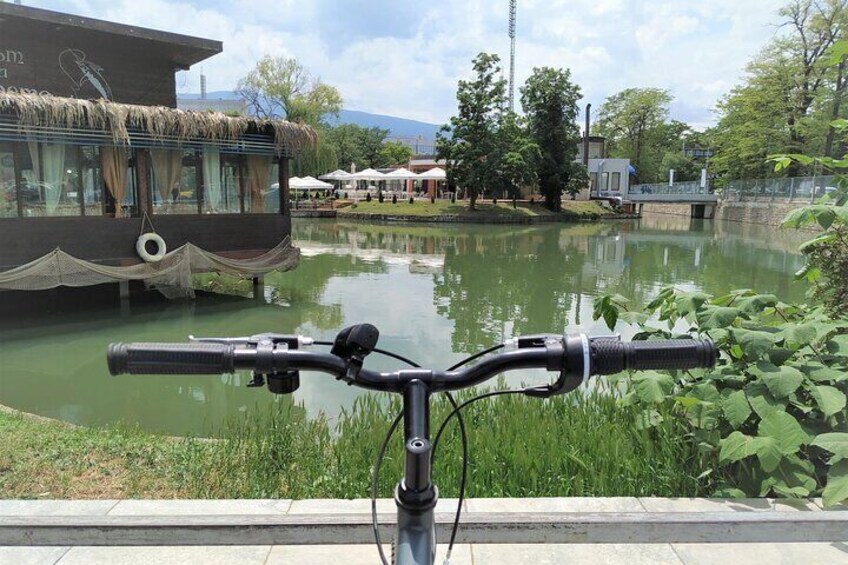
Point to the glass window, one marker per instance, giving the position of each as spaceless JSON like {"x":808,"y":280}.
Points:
{"x":230,"y":185}
{"x":91,"y":180}
{"x":213,"y":197}
{"x":47,"y":187}
{"x":272,"y":196}
{"x":8,"y":186}
{"x":174,"y":181}
{"x":604,"y":182}
{"x":593,"y":181}
{"x":616,"y":181}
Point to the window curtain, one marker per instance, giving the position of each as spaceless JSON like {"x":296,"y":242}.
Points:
{"x":115,"y":164}
{"x":212,"y":179}
{"x":168,"y":170}
{"x":258,"y":169}
{"x":48,"y":171}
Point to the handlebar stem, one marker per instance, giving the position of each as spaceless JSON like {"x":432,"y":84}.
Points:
{"x":416,"y":492}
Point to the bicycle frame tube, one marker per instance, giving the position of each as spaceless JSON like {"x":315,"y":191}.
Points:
{"x":415,"y":495}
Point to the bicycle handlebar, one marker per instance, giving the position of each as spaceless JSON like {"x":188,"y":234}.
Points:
{"x":576,"y":356}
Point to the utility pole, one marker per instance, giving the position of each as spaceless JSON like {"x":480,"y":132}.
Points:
{"x":512,"y":54}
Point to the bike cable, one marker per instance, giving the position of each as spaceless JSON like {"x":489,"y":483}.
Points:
{"x":375,"y":476}
{"x":464,"y":439}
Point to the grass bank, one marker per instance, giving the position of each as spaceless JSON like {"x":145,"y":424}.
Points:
{"x":444,"y":210}
{"x":581,"y":445}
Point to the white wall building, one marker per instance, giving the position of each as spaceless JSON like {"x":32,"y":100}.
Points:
{"x":608,"y":178}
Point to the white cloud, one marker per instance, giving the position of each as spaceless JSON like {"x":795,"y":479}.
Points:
{"x":404,"y":58}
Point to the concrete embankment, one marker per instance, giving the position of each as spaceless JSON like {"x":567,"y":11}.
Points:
{"x":769,"y":213}
{"x":457,"y":219}
{"x":493,"y":531}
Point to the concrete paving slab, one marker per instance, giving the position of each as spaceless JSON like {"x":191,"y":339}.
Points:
{"x":577,"y":554}
{"x":162,"y":555}
{"x":794,"y":505}
{"x":573,"y":504}
{"x":820,"y":503}
{"x":705,"y":504}
{"x":763,"y":553}
{"x":32,"y":555}
{"x":199,"y":507}
{"x":56,"y":507}
{"x":351,"y":554}
{"x":360,"y":506}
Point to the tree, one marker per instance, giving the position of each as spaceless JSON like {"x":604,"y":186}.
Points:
{"x":517,"y":156}
{"x":470,"y":142}
{"x":789,"y":96}
{"x":371,"y":144}
{"x":549,"y":99}
{"x":632,"y":121}
{"x":394,"y":153}
{"x":345,"y":140}
{"x":280,"y":87}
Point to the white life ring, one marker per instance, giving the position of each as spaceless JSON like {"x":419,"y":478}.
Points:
{"x":141,"y":247}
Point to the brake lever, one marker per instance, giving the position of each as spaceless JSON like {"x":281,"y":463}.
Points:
{"x":292,"y":341}
{"x":283,"y":382}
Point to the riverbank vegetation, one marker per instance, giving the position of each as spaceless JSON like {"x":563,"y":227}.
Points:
{"x":425,"y":208}
{"x":580,"y":445}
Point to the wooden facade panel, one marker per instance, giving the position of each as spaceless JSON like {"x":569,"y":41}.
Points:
{"x":110,"y":240}
{"x":64,"y":61}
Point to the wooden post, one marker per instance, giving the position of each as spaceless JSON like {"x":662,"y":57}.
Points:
{"x":142,"y":169}
{"x":283,"y":179}
{"x":259,"y":288}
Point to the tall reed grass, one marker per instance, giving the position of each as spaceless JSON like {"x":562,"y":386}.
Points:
{"x":584,"y":444}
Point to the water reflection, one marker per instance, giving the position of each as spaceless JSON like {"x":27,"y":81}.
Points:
{"x":436,"y":293}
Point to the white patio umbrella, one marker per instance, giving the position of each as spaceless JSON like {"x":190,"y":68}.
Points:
{"x":311,"y":183}
{"x":401,"y":175}
{"x":338,"y":174}
{"x":436,"y":173}
{"x":368,"y":174}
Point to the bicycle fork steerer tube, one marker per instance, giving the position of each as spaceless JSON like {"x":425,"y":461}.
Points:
{"x":415,"y":495}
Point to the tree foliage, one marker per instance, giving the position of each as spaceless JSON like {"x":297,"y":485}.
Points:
{"x":549,"y":99}
{"x":789,"y":97}
{"x":281,"y":87}
{"x":470,"y":141}
{"x":395,"y":153}
{"x":635,"y":124}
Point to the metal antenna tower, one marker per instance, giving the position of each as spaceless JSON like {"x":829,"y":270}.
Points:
{"x":512,"y":54}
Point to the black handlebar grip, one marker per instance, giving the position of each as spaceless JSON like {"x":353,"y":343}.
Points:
{"x":170,"y":358}
{"x":611,"y":356}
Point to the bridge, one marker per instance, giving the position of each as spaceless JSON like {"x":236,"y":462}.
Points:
{"x":702,"y":200}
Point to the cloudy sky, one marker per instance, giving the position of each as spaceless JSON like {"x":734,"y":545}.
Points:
{"x":404,"y":57}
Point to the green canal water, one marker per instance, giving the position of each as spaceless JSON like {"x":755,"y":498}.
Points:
{"x":435,"y":293}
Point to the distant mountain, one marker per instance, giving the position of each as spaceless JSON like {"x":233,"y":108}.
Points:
{"x":398,"y":127}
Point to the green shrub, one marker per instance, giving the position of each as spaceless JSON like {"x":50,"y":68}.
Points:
{"x":770,"y":420}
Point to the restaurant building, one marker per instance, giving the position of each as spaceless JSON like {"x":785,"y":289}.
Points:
{"x":94,"y":153}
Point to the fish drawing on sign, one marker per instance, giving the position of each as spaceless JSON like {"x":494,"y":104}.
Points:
{"x":83,"y":72}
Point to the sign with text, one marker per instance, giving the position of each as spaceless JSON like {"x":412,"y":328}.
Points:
{"x":37,"y":58}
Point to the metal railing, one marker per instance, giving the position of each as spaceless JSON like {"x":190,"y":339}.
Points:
{"x":796,"y":188}
{"x":688,"y":187}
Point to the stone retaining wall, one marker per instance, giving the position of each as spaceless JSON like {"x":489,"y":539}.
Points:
{"x":486,"y":219}
{"x":765,"y":213}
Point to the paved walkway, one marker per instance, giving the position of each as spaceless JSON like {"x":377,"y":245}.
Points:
{"x":773,"y":553}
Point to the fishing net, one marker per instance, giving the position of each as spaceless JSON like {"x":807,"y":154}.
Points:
{"x":172,"y":275}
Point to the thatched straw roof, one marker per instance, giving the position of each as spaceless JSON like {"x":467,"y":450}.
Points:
{"x":158,"y":121}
